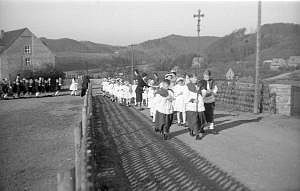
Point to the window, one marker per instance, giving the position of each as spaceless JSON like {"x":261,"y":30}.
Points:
{"x":27,"y":62}
{"x":27,"y":50}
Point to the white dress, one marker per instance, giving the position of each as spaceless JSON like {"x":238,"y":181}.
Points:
{"x":74,"y":85}
{"x":151,"y":92}
{"x":133,"y":94}
{"x":178,"y":103}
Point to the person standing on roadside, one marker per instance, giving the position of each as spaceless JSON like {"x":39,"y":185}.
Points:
{"x":209,"y":99}
{"x":140,"y":87}
{"x":84,"y":85}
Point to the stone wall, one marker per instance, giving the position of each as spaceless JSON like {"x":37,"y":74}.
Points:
{"x":274,"y":98}
{"x":283,"y":98}
{"x":295,"y":99}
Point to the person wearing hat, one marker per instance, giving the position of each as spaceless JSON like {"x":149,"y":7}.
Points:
{"x":179,"y":106}
{"x":195,"y":107}
{"x":209,"y":99}
{"x":171,"y":76}
{"x":140,"y":87}
{"x":164,"y":109}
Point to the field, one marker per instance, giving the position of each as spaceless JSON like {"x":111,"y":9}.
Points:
{"x":36,"y":141}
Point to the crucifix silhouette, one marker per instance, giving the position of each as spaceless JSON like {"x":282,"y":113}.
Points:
{"x":198,"y":16}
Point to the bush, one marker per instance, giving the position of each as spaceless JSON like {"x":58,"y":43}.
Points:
{"x":46,"y":72}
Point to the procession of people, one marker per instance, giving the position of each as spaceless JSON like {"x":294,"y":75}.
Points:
{"x":39,"y":87}
{"x":187,"y":98}
{"x":29,"y":87}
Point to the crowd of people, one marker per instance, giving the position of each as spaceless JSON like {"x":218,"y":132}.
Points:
{"x":29,"y":87}
{"x":190,"y":99}
{"x":37,"y":87}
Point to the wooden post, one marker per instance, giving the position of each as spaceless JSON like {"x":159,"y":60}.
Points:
{"x":256,"y":94}
{"x":83,"y":165}
{"x":85,"y":101}
{"x":77,"y":139}
{"x":84,"y":121}
{"x":66,"y":180}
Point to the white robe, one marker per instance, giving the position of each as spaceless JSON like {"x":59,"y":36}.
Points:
{"x":179,"y":91}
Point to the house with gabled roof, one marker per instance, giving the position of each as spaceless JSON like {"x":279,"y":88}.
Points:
{"x":22,"y":50}
{"x":229,"y":74}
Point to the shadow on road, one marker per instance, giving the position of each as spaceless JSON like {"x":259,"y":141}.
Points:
{"x":149,"y":162}
{"x":233,"y":124}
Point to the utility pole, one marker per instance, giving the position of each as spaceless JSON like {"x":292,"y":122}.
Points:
{"x":258,"y":35}
{"x":132,"y":75}
{"x":198,"y":16}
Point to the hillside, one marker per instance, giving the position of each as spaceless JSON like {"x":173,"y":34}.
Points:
{"x":175,"y":45}
{"x":70,"y":45}
{"x":220,"y":53}
{"x":72,"y":54}
{"x":277,"y":40}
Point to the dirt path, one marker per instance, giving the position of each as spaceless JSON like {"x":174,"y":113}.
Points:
{"x":36,"y":141}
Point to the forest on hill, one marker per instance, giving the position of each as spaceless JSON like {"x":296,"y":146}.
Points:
{"x":279,"y":40}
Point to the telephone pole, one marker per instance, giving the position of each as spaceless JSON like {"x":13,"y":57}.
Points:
{"x":258,"y":36}
{"x":199,"y":15}
{"x":132,"y":67}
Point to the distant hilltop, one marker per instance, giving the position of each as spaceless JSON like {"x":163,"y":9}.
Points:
{"x":279,"y":40}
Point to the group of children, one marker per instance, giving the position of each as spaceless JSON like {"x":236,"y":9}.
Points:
{"x":119,"y":90}
{"x":192,"y":99}
{"x":29,"y":87}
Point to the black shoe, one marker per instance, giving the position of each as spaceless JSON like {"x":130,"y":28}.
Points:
{"x":191,"y":133}
{"x":165,"y":136}
{"x":198,"y":137}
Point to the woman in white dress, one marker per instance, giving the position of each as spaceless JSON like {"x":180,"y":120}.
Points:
{"x":74,"y":87}
{"x":133,"y":94}
{"x":151,"y":92}
{"x":179,"y":105}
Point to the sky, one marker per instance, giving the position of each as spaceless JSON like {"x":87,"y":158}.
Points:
{"x":130,"y":22}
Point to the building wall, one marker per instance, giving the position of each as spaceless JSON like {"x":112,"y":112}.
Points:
{"x":283,"y":98}
{"x":295,"y":107}
{"x":3,"y":67}
{"x":42,"y":55}
{"x":13,"y":58}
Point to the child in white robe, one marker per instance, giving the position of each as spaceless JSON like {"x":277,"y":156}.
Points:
{"x":133,"y":94}
{"x":179,"y":105}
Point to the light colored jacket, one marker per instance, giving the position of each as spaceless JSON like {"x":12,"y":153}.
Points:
{"x":193,"y":106}
{"x":164,"y":104}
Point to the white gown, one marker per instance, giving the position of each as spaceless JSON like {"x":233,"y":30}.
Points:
{"x":178,"y":103}
{"x":74,"y":85}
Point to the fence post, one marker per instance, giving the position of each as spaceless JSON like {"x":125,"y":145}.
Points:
{"x":84,"y":121}
{"x":77,"y":139}
{"x":66,"y":180}
{"x":83,"y":166}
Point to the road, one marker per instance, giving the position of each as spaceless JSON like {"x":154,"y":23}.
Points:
{"x":249,"y":152}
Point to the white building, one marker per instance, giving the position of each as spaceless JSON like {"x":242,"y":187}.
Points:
{"x":293,"y":61}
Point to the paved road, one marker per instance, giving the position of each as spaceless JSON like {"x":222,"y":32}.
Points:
{"x":148,"y":162}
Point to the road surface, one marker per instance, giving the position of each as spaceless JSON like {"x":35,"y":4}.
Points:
{"x":249,"y":152}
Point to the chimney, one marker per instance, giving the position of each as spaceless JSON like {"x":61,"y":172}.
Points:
{"x":2,"y":34}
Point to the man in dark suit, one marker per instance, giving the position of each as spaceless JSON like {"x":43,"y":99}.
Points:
{"x":84,"y":85}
